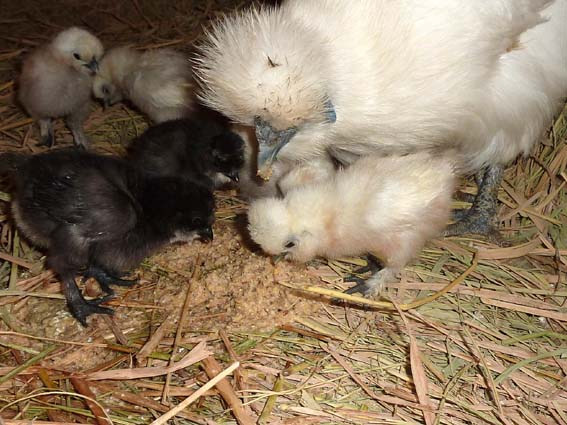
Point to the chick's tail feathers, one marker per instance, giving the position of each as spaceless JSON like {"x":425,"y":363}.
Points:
{"x":10,"y":162}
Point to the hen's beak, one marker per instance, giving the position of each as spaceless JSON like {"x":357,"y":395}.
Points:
{"x":206,"y":234}
{"x":270,"y":142}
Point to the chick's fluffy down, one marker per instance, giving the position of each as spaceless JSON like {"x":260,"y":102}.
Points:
{"x":389,"y":207}
{"x":158,"y":82}
{"x":56,"y":81}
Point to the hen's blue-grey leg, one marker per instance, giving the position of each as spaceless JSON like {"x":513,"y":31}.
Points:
{"x":480,"y":218}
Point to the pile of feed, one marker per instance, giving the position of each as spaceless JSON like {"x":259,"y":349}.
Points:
{"x":490,"y":350}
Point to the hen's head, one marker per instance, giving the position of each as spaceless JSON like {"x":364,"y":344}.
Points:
{"x":260,"y":68}
{"x":79,"y":48}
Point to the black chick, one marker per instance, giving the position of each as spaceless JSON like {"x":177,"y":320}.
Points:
{"x":99,"y":215}
{"x":198,"y":147}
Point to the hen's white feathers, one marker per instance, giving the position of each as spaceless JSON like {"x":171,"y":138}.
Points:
{"x":158,"y":82}
{"x":484,"y":77}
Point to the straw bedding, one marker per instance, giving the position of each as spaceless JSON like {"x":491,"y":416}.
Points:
{"x":491,"y":350}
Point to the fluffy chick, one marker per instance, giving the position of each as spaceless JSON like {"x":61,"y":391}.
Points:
{"x":98,"y":215}
{"x":306,"y":173}
{"x":388,"y":207}
{"x":158,"y":82}
{"x":56,"y":81}
{"x":198,"y":147}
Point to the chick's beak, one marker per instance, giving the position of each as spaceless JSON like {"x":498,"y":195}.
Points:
{"x":270,"y":142}
{"x":93,"y":65}
{"x":205,"y":234}
{"x":277,"y":258}
{"x":233,"y":175}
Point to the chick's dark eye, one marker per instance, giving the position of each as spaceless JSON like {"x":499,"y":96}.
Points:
{"x":290,"y":245}
{"x":105,"y":90}
{"x":77,"y":56}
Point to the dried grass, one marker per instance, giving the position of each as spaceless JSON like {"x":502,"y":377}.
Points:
{"x":491,"y":348}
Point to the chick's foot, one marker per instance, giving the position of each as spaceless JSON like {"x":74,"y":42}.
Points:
{"x":81,"y":308}
{"x":78,"y":306}
{"x":361,"y":286}
{"x":373,"y":265}
{"x":105,"y":279}
{"x":373,"y":286}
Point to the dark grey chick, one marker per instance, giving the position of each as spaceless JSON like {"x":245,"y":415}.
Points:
{"x":199,"y":147}
{"x":100,"y":216}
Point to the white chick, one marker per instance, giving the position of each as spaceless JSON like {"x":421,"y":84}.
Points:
{"x":158,"y":82}
{"x":383,"y":77}
{"x":388,"y":207}
{"x":305,"y":173}
{"x":56,"y":81}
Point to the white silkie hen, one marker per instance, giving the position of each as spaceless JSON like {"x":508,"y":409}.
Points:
{"x":158,"y":82}
{"x":392,"y":77}
{"x":388,"y":207}
{"x":56,"y":81}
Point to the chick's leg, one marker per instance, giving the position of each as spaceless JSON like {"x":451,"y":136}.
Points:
{"x":373,"y":286}
{"x":46,"y":132}
{"x":396,"y":251}
{"x":78,"y":306}
{"x":480,"y":218}
{"x":381,"y":273}
{"x":105,"y":279}
{"x":66,"y":257}
{"x":75,"y":123}
{"x":373,"y":265}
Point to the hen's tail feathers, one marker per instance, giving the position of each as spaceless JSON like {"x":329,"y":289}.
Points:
{"x":10,"y":162}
